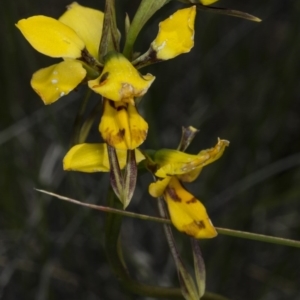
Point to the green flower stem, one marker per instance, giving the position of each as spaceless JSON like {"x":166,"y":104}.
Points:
{"x":79,"y":117}
{"x":145,"y":59}
{"x":145,"y":11}
{"x":259,"y":237}
{"x":224,"y":231}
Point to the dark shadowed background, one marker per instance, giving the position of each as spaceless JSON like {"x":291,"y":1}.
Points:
{"x":240,"y":82}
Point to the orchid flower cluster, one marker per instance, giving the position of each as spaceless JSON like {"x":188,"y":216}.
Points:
{"x":88,"y":41}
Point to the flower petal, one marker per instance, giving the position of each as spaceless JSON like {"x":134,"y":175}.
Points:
{"x":87,"y":23}
{"x":157,"y":188}
{"x":187,"y":213}
{"x":120,"y":81}
{"x":51,"y":37}
{"x":213,"y":153}
{"x":94,"y":158}
{"x":121,"y":125}
{"x":208,"y":2}
{"x":58,"y":80}
{"x":176,"y":34}
{"x":174,"y":162}
{"x":186,"y":166}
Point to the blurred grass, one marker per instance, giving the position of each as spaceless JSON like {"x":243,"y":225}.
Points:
{"x":240,"y":82}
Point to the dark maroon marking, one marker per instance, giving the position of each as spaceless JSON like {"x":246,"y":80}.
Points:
{"x":112,"y":104}
{"x":121,"y":133}
{"x":103,"y":77}
{"x":121,"y":107}
{"x":193,"y":200}
{"x":173,"y":195}
{"x":200,"y":224}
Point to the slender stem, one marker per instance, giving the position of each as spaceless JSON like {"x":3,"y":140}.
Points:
{"x":224,"y":231}
{"x":259,"y":237}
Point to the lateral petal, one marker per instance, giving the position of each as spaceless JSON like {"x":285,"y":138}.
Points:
{"x":91,"y":158}
{"x":58,"y":80}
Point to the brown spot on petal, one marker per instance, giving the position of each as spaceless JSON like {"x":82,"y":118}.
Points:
{"x":193,"y":200}
{"x":111,"y":138}
{"x":121,"y":133}
{"x":200,"y":224}
{"x":138,"y":135}
{"x":121,"y":107}
{"x":118,"y":106}
{"x":173,"y":195}
{"x":103,"y":77}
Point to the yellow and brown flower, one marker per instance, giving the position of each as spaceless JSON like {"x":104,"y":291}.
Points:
{"x":171,"y":166}
{"x":120,"y":83}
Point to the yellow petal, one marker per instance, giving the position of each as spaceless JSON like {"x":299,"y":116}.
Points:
{"x":176,"y":34}
{"x":87,"y":23}
{"x":58,"y":80}
{"x":190,"y":176}
{"x":51,"y":37}
{"x":121,"y":125}
{"x":208,"y":2}
{"x":215,"y":152}
{"x":120,"y":81}
{"x":186,"y":166}
{"x":156,"y":189}
{"x":174,"y":162}
{"x":187,"y":213}
{"x":94,"y":158}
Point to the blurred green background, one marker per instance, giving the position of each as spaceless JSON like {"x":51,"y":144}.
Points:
{"x":240,"y":82}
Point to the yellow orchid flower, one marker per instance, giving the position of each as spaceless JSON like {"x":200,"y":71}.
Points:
{"x":176,"y":34}
{"x":187,"y":213}
{"x":121,"y":125}
{"x":91,"y":158}
{"x":77,"y":30}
